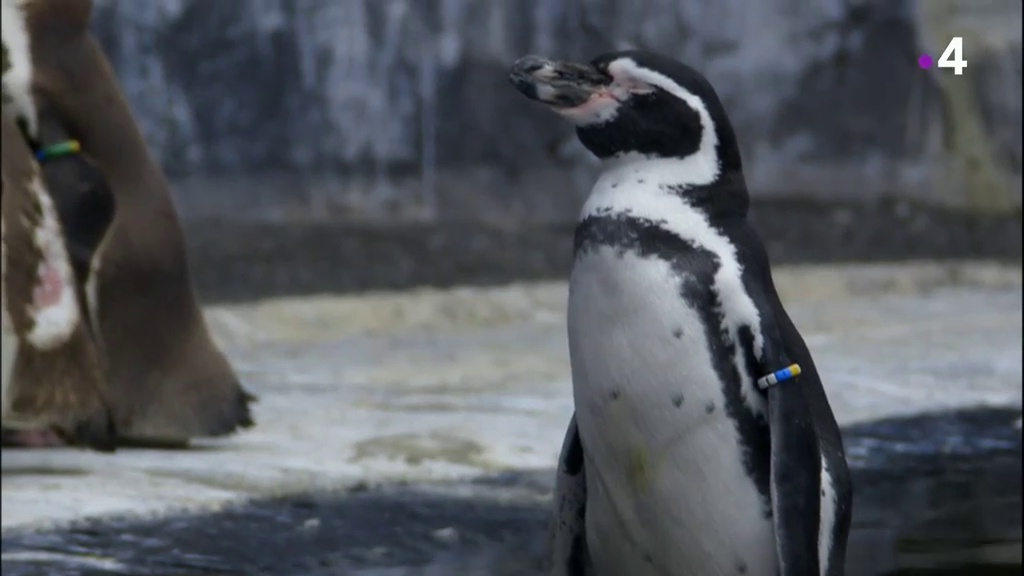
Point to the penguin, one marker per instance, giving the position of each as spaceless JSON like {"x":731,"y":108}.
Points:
{"x":54,"y":391}
{"x":702,"y":442}
{"x":169,"y":382}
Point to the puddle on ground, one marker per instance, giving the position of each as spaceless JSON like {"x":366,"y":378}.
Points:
{"x":415,"y":449}
{"x":42,"y":471}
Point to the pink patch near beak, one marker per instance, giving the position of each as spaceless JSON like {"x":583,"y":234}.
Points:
{"x":599,"y":107}
{"x":50,"y":287}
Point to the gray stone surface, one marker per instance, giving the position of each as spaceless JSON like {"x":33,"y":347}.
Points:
{"x":326,"y":109}
{"x":937,"y":494}
{"x":432,"y":388}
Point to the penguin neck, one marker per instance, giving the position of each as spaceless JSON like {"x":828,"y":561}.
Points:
{"x":691,"y":171}
{"x":699,"y":183}
{"x":87,"y":97}
{"x":724,"y":199}
{"x":113,"y":140}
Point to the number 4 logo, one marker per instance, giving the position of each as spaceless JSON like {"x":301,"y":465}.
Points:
{"x":953,"y":56}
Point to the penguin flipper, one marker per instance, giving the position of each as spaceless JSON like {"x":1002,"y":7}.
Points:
{"x":795,"y":477}
{"x":795,"y":487}
{"x":568,"y":554}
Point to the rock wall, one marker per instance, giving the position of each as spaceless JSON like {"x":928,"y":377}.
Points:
{"x":324,"y":109}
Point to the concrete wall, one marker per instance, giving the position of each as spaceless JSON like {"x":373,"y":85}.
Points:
{"x":377,"y":108}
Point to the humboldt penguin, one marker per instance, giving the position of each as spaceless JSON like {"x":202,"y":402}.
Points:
{"x":54,"y":391}
{"x":702,"y":441}
{"x":168,"y":380}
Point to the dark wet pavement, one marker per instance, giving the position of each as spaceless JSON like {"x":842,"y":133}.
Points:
{"x":380,"y":413}
{"x":934,"y":490}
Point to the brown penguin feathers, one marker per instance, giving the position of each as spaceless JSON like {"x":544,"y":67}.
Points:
{"x":56,"y":380}
{"x":168,"y":380}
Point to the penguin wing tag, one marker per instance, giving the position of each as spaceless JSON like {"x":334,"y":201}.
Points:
{"x":779,"y":376}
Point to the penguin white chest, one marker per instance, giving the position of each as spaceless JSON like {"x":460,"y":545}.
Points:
{"x":667,"y":490}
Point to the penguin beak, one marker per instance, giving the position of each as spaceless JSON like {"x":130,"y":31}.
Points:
{"x":557,"y":84}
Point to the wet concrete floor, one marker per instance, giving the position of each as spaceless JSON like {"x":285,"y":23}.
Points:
{"x":405,"y":432}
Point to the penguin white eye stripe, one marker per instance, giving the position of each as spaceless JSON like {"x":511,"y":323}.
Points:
{"x":627,"y":72}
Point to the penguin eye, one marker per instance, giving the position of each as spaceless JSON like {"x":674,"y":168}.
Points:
{"x":642,"y":89}
{"x":637,"y":85}
{"x":628,"y":89}
{"x":624,"y":84}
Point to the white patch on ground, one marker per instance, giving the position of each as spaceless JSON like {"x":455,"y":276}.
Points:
{"x":47,"y":558}
{"x":17,"y":81}
{"x":637,"y":189}
{"x":53,"y":323}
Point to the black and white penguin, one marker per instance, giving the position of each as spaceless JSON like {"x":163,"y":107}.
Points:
{"x":702,"y":441}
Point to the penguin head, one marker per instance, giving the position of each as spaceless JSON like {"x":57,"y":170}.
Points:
{"x":635,"y":103}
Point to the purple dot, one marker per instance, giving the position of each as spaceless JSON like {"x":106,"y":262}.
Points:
{"x":924,"y":61}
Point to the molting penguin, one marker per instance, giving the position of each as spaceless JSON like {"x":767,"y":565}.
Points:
{"x":84,"y":206}
{"x":168,"y":380}
{"x":702,"y":441}
{"x":52,"y":371}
